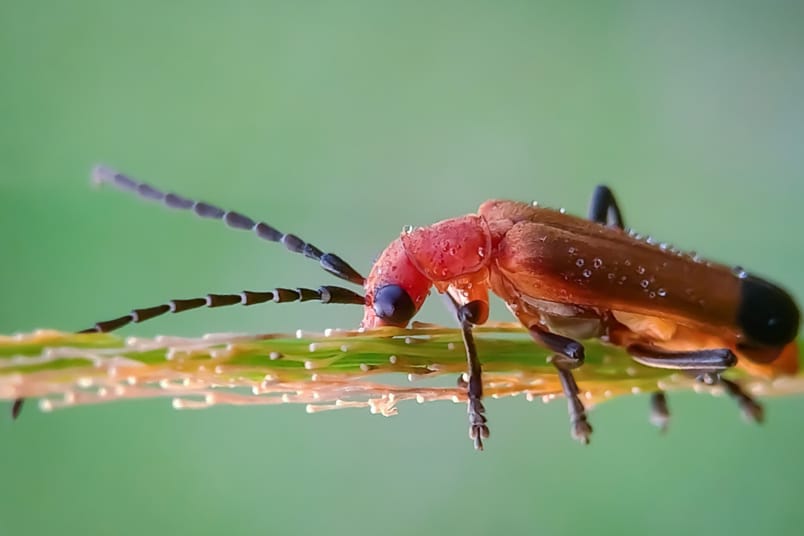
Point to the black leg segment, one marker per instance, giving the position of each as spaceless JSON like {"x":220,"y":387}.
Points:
{"x":659,"y":413}
{"x":698,"y":361}
{"x":16,"y":407}
{"x":603,"y":208}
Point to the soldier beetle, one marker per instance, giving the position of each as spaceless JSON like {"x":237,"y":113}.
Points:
{"x":565,"y":278}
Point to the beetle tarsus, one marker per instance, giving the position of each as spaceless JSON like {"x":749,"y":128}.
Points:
{"x":580,"y":429}
{"x":659,"y":413}
{"x":478,"y":430}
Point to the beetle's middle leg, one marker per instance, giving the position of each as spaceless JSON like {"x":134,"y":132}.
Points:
{"x":604,"y":210}
{"x":706,"y":365}
{"x":569,"y":356}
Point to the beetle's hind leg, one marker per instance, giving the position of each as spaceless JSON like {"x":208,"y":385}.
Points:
{"x":569,"y":356}
{"x":706,"y":365}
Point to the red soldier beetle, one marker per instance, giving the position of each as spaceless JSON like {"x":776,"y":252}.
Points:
{"x":565,"y":278}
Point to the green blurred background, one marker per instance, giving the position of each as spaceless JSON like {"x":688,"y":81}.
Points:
{"x":342,"y":122}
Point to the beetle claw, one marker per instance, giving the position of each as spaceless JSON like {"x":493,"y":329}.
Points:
{"x":581,"y":430}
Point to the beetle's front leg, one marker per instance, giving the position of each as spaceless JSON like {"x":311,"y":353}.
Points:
{"x":478,"y":429}
{"x":706,"y":365}
{"x":468,"y":315}
{"x":570,"y":355}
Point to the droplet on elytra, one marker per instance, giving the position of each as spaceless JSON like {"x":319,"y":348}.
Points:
{"x":644,"y":283}
{"x":597,"y":262}
{"x":640,"y":270}
{"x":661,"y":292}
{"x":587,"y":273}
{"x":579,"y":263}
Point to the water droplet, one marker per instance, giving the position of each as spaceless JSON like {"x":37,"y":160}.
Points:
{"x":562,"y":210}
{"x":640,"y":270}
{"x":481,"y":252}
{"x":664,"y":246}
{"x":534,"y":203}
{"x":587,"y":273}
{"x":407,"y":229}
{"x":644,"y":283}
{"x":739,"y":272}
{"x":651,"y":295}
{"x":579,"y":263}
{"x":649,"y":239}
{"x":571,"y":251}
{"x":597,"y":263}
{"x":661,"y":292}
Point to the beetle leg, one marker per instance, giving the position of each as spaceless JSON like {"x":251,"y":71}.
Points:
{"x":603,"y":208}
{"x":707,"y":365}
{"x":16,"y":407}
{"x":715,"y":360}
{"x":659,"y":414}
{"x":570,"y":355}
{"x":467,"y":316}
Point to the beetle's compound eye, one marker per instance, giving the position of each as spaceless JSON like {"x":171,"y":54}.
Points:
{"x":768,"y":315}
{"x":393,"y":305}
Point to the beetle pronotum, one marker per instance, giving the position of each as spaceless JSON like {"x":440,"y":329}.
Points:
{"x":565,"y":278}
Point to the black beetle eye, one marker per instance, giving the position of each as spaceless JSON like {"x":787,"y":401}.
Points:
{"x":768,"y":315}
{"x":393,"y":305}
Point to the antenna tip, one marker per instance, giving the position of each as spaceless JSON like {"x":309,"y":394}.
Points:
{"x":101,"y":174}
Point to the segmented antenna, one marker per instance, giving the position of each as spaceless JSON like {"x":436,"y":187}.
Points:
{"x":329,"y":261}
{"x":325,"y":294}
